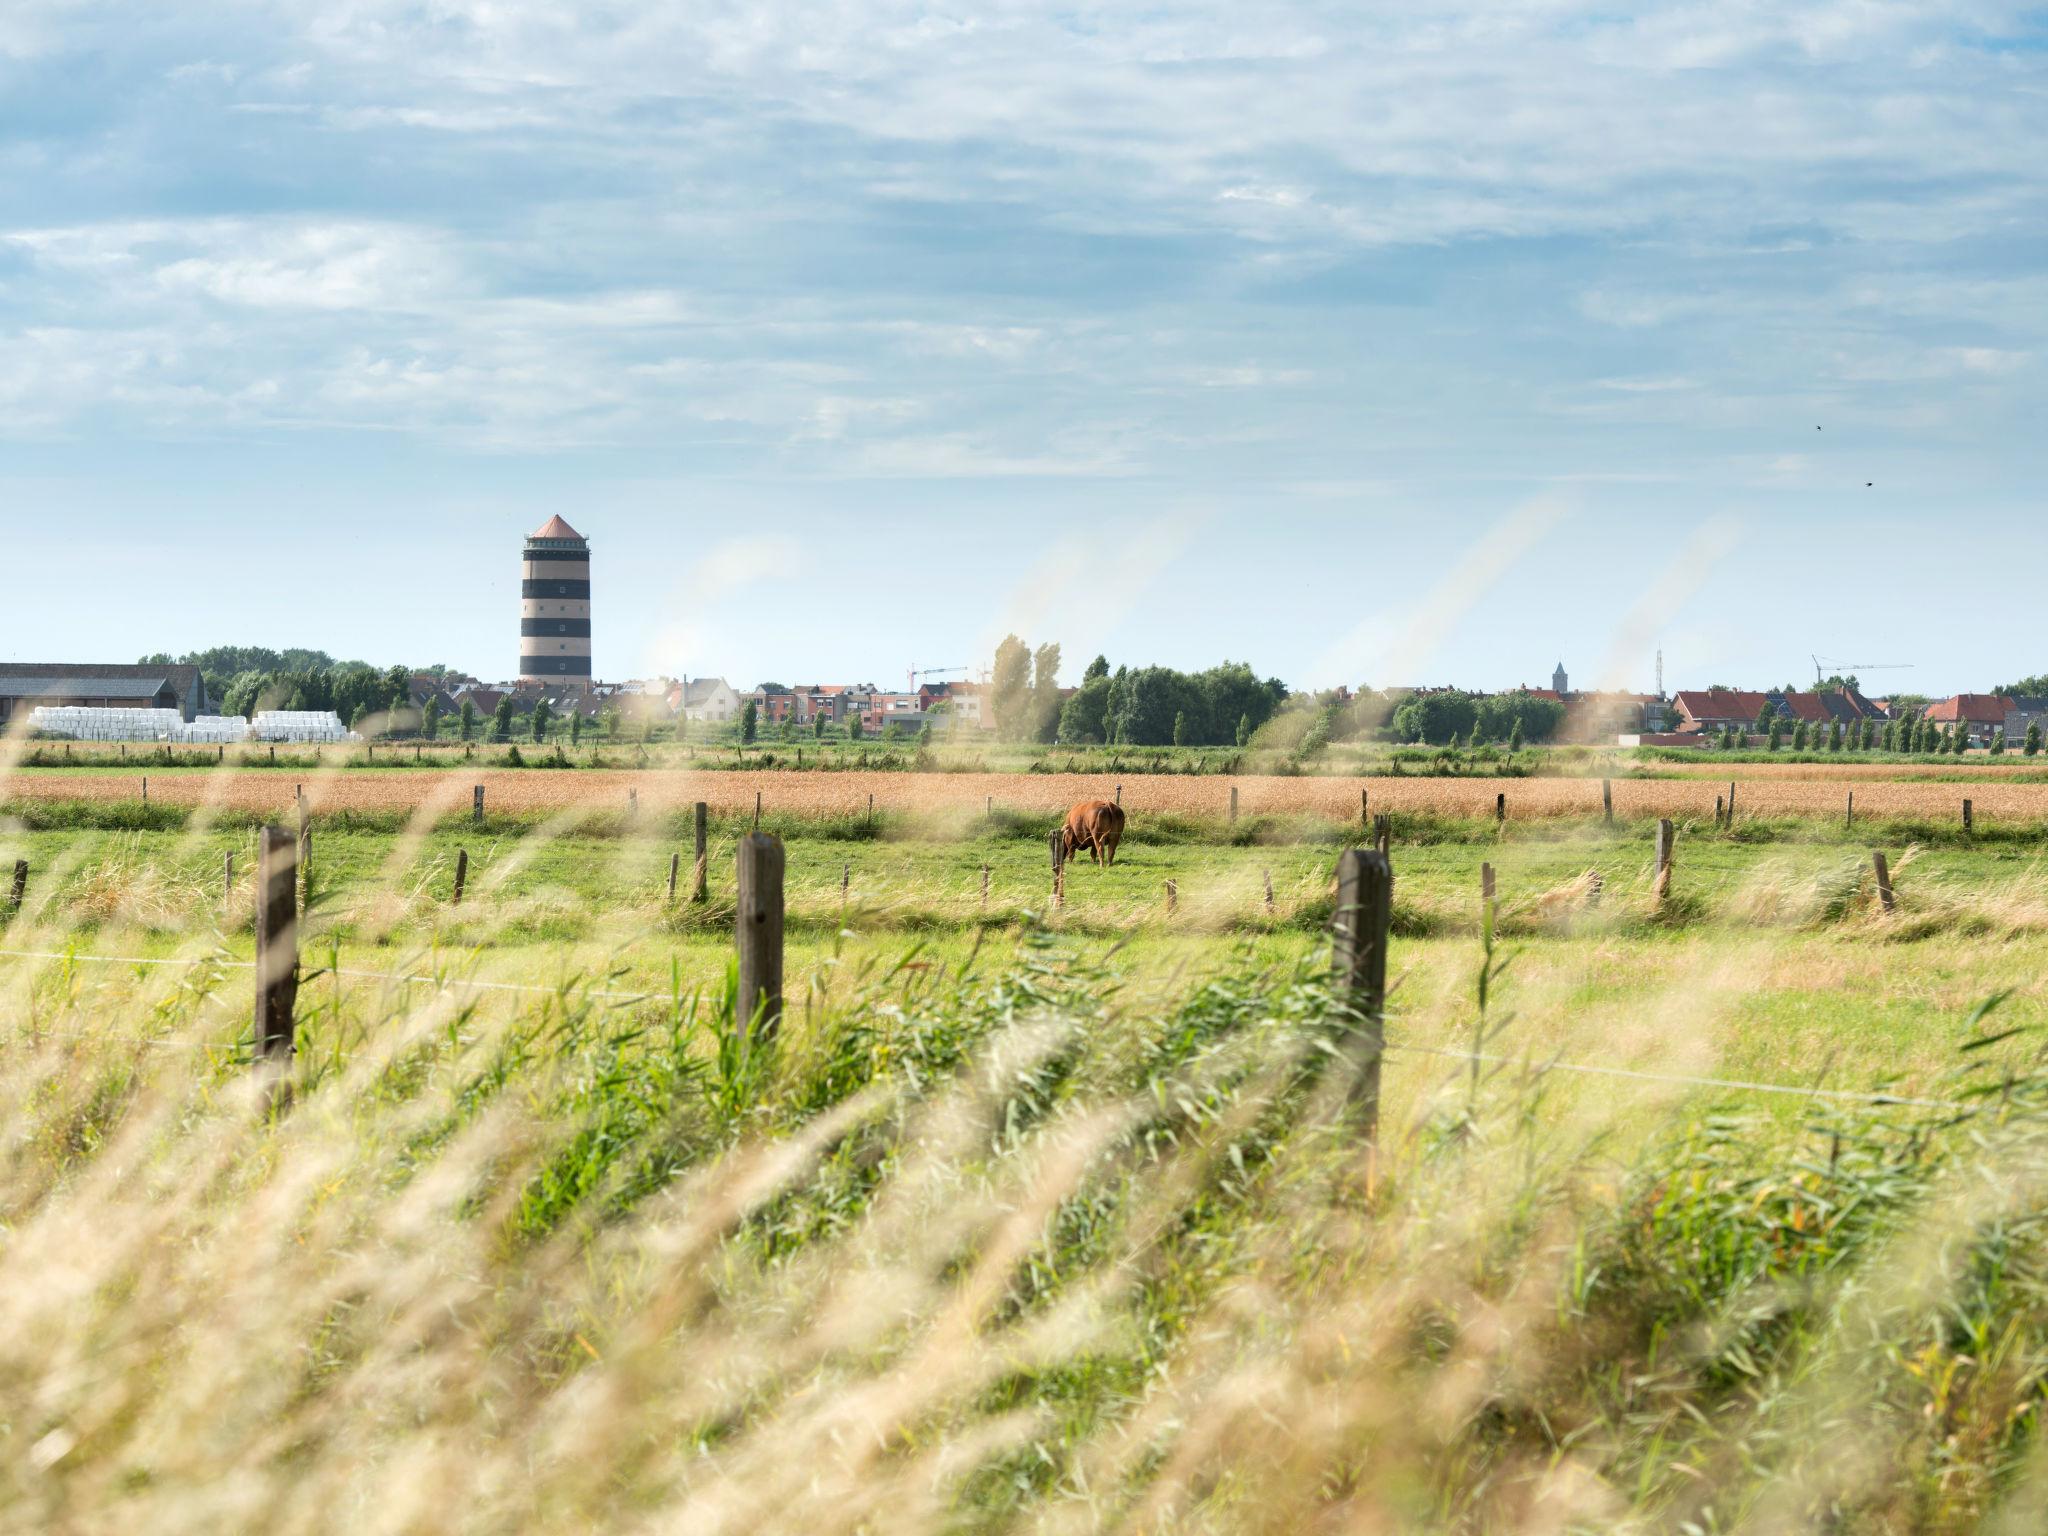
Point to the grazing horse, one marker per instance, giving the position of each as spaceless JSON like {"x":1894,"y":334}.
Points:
{"x":1098,"y":826}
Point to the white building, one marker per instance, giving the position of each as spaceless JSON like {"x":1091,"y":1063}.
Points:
{"x":707,"y":698}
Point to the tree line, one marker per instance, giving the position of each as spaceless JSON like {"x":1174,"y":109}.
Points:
{"x":1130,"y":706}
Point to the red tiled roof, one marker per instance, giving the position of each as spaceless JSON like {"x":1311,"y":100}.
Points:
{"x":1721,"y":703}
{"x":554,"y":528}
{"x":1976,"y":708}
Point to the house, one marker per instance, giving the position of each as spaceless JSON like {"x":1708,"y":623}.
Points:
{"x":1980,"y":715}
{"x":1601,"y":717}
{"x":26,"y":685}
{"x":705,"y":698}
{"x":1716,"y":709}
{"x":1844,"y":706}
{"x":2021,"y":713}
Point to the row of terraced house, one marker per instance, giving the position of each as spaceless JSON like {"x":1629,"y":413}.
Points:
{"x":1701,"y":714}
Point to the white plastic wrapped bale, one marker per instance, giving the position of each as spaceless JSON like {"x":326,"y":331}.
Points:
{"x":89,"y":723}
{"x":223,"y":730}
{"x":310,"y":725}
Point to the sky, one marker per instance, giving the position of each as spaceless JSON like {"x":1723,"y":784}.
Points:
{"x":1374,"y":345}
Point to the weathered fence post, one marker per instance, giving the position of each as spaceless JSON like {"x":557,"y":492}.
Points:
{"x":1966,"y":815}
{"x":305,"y":858}
{"x":758,"y":933}
{"x":1717,"y":811}
{"x":461,"y":873}
{"x":227,"y":878}
{"x":1269,"y":889}
{"x":1233,"y":805}
{"x":1500,"y":806}
{"x":984,"y":887}
{"x":1383,"y":833}
{"x":145,"y":789}
{"x":871,"y":808}
{"x":1731,"y":803}
{"x":988,"y":807}
{"x":675,"y":870}
{"x":1119,"y":794}
{"x":1365,"y":904}
{"x":1172,"y":896}
{"x":1059,"y":870}
{"x":1661,"y":887}
{"x":757,"y":810}
{"x":277,"y":947}
{"x":633,"y":803}
{"x":1883,"y":872}
{"x":476,"y":803}
{"x":1486,"y":884}
{"x":845,"y":887}
{"x":18,"y":892}
{"x":1849,"y":816}
{"x":701,"y":871}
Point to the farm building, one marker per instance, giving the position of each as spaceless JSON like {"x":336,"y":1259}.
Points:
{"x":1980,"y":715}
{"x":28,"y":685}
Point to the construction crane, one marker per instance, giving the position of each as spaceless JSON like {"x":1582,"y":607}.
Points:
{"x":1844,"y":668}
{"x":916,"y":672}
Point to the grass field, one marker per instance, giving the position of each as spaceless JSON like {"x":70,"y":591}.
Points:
{"x":1032,"y":1217}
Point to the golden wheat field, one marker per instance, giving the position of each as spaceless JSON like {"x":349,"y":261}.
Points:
{"x":1761,"y":790}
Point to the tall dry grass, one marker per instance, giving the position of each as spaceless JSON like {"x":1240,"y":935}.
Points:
{"x":993,"y":1251}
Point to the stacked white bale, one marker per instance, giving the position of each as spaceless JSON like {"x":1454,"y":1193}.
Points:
{"x":307,"y":725}
{"x":84,"y":722}
{"x":214,"y":730}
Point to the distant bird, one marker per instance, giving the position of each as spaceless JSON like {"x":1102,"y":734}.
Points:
{"x":1816,"y":429}
{"x":1868,"y":484}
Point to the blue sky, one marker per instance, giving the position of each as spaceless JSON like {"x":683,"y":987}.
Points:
{"x":1429,"y":345}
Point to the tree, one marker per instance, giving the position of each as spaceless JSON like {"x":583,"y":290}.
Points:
{"x":575,"y":727}
{"x":1962,"y":738}
{"x":1777,"y":734}
{"x":1835,"y":737}
{"x":1010,"y":689}
{"x":430,"y":720}
{"x":2033,"y":743}
{"x":855,"y":729}
{"x":1997,"y":743}
{"x":1765,"y":716}
{"x":1180,"y":729}
{"x":1084,"y":718}
{"x":1099,"y":667}
{"x":394,"y":714}
{"x":1044,"y":720}
{"x":466,"y":722}
{"x":355,"y":716}
{"x":1244,"y":729}
{"x":501,"y":720}
{"x":541,"y":715}
{"x":1515,"y":737}
{"x":1434,"y":717}
{"x":924,"y":736}
{"x":2027,"y":687}
{"x":1799,"y":737}
{"x":818,"y":724}
{"x":750,"y":723}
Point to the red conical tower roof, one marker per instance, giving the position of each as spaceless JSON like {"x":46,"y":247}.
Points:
{"x":554,"y":528}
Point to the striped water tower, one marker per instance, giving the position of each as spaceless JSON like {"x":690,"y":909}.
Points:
{"x":554,"y":607}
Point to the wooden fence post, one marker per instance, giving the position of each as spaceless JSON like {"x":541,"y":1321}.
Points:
{"x":18,"y":892}
{"x":1383,"y":833}
{"x":1486,"y":884}
{"x":1717,"y":810}
{"x":1059,"y":870}
{"x":871,"y":808}
{"x":461,"y":873}
{"x":1731,"y":802}
{"x":1119,"y":794}
{"x":845,"y":888}
{"x":277,"y":946}
{"x":305,"y":857}
{"x":1661,"y":887}
{"x":476,"y":803}
{"x":984,"y":887}
{"x":1849,"y":816}
{"x":633,"y":803}
{"x":757,"y":810}
{"x":227,"y":878}
{"x":1365,"y":904}
{"x":675,"y":870}
{"x":1364,"y":807}
{"x":1500,"y":806}
{"x":145,"y":789}
{"x":1884,"y":879}
{"x":701,"y":872}
{"x":1966,"y":815}
{"x":1233,"y":805}
{"x":1269,"y":889}
{"x":758,"y":932}
{"x":1172,"y":896}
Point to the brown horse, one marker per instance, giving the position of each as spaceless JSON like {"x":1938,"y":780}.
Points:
{"x":1098,"y":826}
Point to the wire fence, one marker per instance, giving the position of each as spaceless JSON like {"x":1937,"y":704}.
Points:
{"x":1585,"y":1069}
